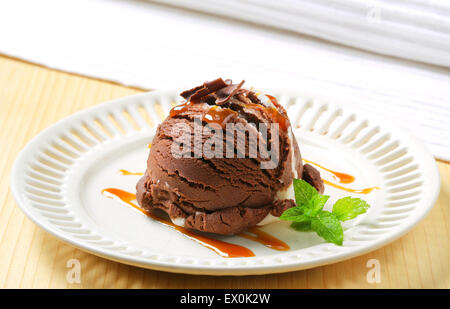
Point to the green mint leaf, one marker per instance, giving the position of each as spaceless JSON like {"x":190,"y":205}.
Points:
{"x":291,"y":213}
{"x":349,"y":207}
{"x":307,"y":211}
{"x":304,"y":226}
{"x":327,"y":226}
{"x":309,"y":215}
{"x":303,"y":192}
{"x":294,"y":214}
{"x":315,"y":205}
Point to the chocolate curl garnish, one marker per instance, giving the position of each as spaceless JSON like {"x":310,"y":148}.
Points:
{"x":253,"y":98}
{"x":223,"y":95}
{"x":187,"y":93}
{"x":196,"y":94}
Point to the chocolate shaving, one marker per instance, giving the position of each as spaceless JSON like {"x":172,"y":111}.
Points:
{"x":252,"y":96}
{"x":196,"y":94}
{"x":187,"y":93}
{"x":215,"y":92}
{"x":226,"y":93}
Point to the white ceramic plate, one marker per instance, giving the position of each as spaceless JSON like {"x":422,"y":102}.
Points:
{"x":57,"y":181}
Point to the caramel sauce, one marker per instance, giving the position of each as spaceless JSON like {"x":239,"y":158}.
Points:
{"x":176,"y":110}
{"x":273,"y":100}
{"x":341,"y":177}
{"x":360,"y":191}
{"x":265,"y":239}
{"x":273,"y":113}
{"x":215,"y":114}
{"x":127,"y":173}
{"x":218,"y":115}
{"x":278,"y":118}
{"x":222,"y":248}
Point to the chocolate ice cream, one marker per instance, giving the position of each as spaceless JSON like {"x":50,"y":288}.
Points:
{"x":218,"y":193}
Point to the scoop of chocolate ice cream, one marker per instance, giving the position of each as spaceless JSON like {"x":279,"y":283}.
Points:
{"x":237,"y":183}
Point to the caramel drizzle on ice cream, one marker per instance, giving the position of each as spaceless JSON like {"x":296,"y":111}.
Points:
{"x":273,"y":113}
{"x":218,"y":115}
{"x":179,"y":109}
{"x":273,"y":100}
{"x":218,"y":92}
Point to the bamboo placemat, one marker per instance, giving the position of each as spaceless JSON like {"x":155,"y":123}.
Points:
{"x":33,"y":97}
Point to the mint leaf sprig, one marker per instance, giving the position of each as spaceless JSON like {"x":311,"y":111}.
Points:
{"x":309,"y":215}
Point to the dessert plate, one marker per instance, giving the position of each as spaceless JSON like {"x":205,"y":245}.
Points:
{"x":58,"y":178}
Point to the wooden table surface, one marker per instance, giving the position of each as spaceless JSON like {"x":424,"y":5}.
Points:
{"x":33,"y":97}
